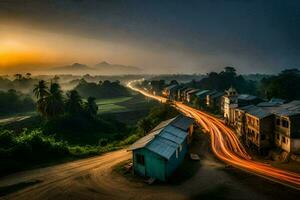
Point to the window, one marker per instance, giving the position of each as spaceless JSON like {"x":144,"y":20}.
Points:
{"x":285,"y":123}
{"x":140,"y":159}
{"x":278,"y":121}
{"x":283,"y":139}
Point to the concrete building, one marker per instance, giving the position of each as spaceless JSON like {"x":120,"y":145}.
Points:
{"x":190,"y":96}
{"x":214,"y":100}
{"x":160,"y":152}
{"x":230,"y":102}
{"x":287,"y":126}
{"x":259,"y":128}
{"x":170,"y":92}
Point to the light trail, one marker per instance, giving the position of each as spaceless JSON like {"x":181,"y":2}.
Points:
{"x":226,"y":145}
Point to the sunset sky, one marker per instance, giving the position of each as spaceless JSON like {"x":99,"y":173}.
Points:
{"x":158,"y":36}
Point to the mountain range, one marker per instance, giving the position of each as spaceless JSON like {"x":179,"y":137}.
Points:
{"x":102,"y":68}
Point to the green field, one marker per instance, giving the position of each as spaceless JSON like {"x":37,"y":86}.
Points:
{"x":126,"y":109}
{"x":112,"y":105}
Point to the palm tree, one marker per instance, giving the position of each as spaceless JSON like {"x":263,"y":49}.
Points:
{"x":74,"y":102}
{"x":54,"y":103}
{"x":41,"y":91}
{"x":91,"y":106}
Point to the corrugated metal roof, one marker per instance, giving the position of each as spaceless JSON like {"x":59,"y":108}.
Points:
{"x":218,"y":94}
{"x":246,"y":97}
{"x":288,"y":109}
{"x":170,"y":87}
{"x":259,"y":112}
{"x":165,"y":138}
{"x":182,"y":122}
{"x":178,"y":138}
{"x":162,"y":147}
{"x":163,"y":124}
{"x":202,"y":93}
{"x":144,"y":140}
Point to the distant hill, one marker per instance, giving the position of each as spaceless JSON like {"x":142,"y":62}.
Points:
{"x":102,"y":68}
{"x":107,"y":68}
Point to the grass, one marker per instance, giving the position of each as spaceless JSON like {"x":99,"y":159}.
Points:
{"x":112,"y":100}
{"x":112,"y":105}
{"x":19,"y":186}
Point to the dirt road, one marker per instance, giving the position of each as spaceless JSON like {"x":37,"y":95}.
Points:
{"x":94,"y":178}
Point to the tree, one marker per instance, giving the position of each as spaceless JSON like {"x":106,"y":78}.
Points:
{"x":28,"y":75}
{"x":74,"y":102}
{"x":145,"y":125}
{"x":174,"y":82}
{"x":91,"y":106}
{"x":18,"y":76}
{"x":41,"y":91}
{"x":54,"y":102}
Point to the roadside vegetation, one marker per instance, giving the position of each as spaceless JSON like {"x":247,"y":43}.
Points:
{"x":13,"y":102}
{"x":70,"y":127}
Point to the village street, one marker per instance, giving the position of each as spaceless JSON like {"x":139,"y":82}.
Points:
{"x":94,"y":178}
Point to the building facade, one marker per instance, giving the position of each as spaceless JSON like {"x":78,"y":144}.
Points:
{"x":159,"y":153}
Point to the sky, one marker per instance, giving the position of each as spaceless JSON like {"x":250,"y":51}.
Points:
{"x":166,"y":36}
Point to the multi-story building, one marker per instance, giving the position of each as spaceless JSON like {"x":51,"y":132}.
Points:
{"x":214,"y":100}
{"x":240,"y":120}
{"x":171,"y":91}
{"x":191,"y":95}
{"x":287,"y":126}
{"x":259,"y":125}
{"x":230,"y":102}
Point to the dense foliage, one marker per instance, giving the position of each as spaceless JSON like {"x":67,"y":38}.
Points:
{"x":223,"y":80}
{"x":285,"y":85}
{"x":22,"y":83}
{"x":156,"y":115}
{"x":14,"y":102}
{"x":105,"y":89}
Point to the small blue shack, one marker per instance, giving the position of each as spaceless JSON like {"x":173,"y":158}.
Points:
{"x":160,"y":152}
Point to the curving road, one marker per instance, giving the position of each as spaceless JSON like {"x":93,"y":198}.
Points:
{"x":227,"y":147}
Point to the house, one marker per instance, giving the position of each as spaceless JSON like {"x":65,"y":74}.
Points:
{"x":287,"y":126}
{"x":171,"y":91}
{"x":259,"y":128}
{"x":160,"y":152}
{"x":180,"y":93}
{"x":191,"y":95}
{"x":230,"y":102}
{"x":185,"y":92}
{"x":214,"y":100}
{"x":247,"y":99}
{"x":240,"y":120}
{"x":201,"y":95}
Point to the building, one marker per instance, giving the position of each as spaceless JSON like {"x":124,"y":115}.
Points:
{"x":190,"y":96}
{"x":259,"y":128}
{"x":160,"y":152}
{"x":287,"y":126}
{"x":247,"y":99}
{"x":180,"y":93}
{"x":171,"y":91}
{"x":230,"y":102}
{"x":201,"y":95}
{"x":214,"y":101}
{"x":270,"y":123}
{"x":184,"y":94}
{"x":240,"y":120}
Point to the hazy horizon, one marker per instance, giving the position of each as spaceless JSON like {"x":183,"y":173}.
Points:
{"x":158,"y":37}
